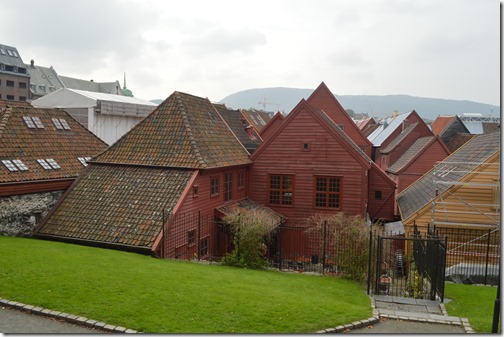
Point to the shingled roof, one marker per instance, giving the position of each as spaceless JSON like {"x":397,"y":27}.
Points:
{"x":417,"y":147}
{"x":467,"y":158}
{"x":116,"y":205}
{"x":245,"y":132}
{"x":185,"y":131}
{"x":29,"y":135}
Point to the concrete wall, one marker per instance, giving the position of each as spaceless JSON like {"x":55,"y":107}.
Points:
{"x":21,"y":213}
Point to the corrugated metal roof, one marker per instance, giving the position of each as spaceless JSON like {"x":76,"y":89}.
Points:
{"x":474,"y":127}
{"x":393,"y":123}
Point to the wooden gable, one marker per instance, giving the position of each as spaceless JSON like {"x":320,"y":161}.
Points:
{"x":306,"y":145}
{"x":323,"y":99}
{"x":272,"y":124}
{"x":421,"y":157}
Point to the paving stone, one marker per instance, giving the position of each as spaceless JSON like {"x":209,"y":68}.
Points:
{"x":120,"y":329}
{"x":130,"y":331}
{"x":91,"y":322}
{"x":100,"y":324}
{"x":331,"y":330}
{"x":109,"y":327}
{"x":340,"y":328}
{"x":357,"y":324}
{"x":81,"y":319}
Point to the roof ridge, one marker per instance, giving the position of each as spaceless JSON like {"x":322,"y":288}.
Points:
{"x":187,"y":126}
{"x":5,"y":114}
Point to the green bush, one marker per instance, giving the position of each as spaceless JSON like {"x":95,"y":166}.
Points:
{"x":249,"y":230}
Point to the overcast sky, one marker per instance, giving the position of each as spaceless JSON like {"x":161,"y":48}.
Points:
{"x":429,"y":48}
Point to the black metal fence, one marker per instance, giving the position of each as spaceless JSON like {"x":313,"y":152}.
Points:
{"x":473,"y":255}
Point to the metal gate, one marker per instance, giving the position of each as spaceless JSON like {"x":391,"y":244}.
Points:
{"x":408,"y":267}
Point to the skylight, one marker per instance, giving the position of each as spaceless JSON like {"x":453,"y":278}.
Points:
{"x":61,"y":123}
{"x":44,"y":164}
{"x":57,"y":123}
{"x":53,"y":163}
{"x":9,"y":165}
{"x":20,"y":165}
{"x":33,"y":122}
{"x":38,"y":122}
{"x":64,"y":123}
{"x":29,"y":122}
{"x":83,"y":160}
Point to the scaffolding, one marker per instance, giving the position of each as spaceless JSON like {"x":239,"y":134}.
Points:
{"x":449,"y":206}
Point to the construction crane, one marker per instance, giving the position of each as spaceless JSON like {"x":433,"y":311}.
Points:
{"x":265,"y":102}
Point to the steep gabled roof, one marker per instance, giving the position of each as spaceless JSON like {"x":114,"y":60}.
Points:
{"x":25,"y":141}
{"x":327,"y":123}
{"x":116,"y":205}
{"x":419,"y":146}
{"x":468,"y":157}
{"x":257,"y":118}
{"x":185,"y":131}
{"x":399,"y":139}
{"x":322,"y":98}
{"x":440,"y":123}
{"x":273,"y":123}
{"x":245,"y":133}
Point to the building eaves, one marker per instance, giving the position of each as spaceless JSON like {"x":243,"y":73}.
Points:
{"x":399,"y":139}
{"x":468,"y":157}
{"x":410,"y":154}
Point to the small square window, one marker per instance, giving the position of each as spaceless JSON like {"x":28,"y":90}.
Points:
{"x":306,"y":146}
{"x":10,"y":83}
{"x":195,"y":189}
{"x":378,"y":195}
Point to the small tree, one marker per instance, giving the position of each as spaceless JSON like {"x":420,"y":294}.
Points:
{"x":346,"y":240}
{"x":249,"y":229}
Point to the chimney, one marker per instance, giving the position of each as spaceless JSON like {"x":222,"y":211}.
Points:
{"x":250,"y":132}
{"x":32,"y":63}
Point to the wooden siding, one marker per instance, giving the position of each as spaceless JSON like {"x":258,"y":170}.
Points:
{"x":404,"y":145}
{"x":34,"y":187}
{"x":457,"y":205}
{"x":285,"y":155}
{"x":381,"y":208}
{"x":204,"y":204}
{"x":434,"y":153}
{"x":324,"y":100}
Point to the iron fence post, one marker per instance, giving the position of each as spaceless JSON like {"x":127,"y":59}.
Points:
{"x":369,"y":260}
{"x":324,"y":248}
{"x":199,"y":235}
{"x":496,"y":313}
{"x":487,"y":254}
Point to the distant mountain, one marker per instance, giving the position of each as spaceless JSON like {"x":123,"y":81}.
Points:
{"x":285,"y":99}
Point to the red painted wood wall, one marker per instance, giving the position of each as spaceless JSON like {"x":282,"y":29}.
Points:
{"x":285,"y":155}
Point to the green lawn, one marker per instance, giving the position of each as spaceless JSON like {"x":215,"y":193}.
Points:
{"x":473,"y":302}
{"x":164,"y":296}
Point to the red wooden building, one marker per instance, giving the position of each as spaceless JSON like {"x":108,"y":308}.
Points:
{"x":159,"y":187}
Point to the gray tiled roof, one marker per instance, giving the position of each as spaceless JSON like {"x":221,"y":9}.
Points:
{"x":43,"y":80}
{"x":9,"y":56}
{"x":411,"y":153}
{"x":399,"y":138}
{"x":468,"y":157}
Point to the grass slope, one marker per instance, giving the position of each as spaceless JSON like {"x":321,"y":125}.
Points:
{"x":166,"y":296}
{"x":473,"y":302}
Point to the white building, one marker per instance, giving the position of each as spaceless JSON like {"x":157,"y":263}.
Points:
{"x":107,"y":116}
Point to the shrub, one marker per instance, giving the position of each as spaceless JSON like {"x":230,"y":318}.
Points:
{"x":249,"y":229}
{"x":346,"y":242}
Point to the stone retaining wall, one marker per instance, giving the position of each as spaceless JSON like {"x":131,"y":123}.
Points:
{"x":20,"y":214}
